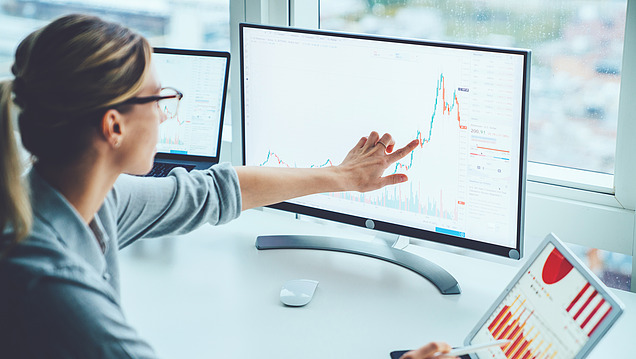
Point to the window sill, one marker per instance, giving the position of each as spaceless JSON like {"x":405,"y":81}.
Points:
{"x":572,"y":184}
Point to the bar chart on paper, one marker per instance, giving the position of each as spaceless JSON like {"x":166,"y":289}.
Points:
{"x":516,"y":322}
{"x":549,"y":314}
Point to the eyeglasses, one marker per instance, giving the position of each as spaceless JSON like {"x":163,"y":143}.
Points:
{"x":168,"y":101}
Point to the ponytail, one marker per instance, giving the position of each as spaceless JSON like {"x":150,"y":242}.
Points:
{"x":65,"y":75}
{"x":15,"y":207}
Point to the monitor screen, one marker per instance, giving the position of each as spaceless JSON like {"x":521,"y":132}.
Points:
{"x":308,"y":96}
{"x":202,"y":77}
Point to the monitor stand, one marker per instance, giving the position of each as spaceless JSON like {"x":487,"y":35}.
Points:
{"x":437,"y":275}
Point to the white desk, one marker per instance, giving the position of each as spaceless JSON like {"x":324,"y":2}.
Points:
{"x":212,"y":294}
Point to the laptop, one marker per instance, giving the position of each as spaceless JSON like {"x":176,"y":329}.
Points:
{"x":555,"y":307}
{"x":193,"y":139}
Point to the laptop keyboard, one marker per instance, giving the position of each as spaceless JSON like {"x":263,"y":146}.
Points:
{"x":162,"y":169}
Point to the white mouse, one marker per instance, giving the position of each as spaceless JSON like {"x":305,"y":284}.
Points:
{"x":298,"y":292}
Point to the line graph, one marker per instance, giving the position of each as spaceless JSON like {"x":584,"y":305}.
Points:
{"x":446,"y":110}
{"x":194,"y":127}
{"x":441,"y":199}
{"x":306,"y":109}
{"x":271,"y":156}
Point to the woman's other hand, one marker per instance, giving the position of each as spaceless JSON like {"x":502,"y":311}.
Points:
{"x":429,"y":351}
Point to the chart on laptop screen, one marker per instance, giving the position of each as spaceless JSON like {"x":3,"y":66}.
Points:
{"x":464,"y":107}
{"x":201,"y":79}
{"x":550,"y":313}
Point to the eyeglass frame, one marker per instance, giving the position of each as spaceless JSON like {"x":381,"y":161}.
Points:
{"x":147,"y":99}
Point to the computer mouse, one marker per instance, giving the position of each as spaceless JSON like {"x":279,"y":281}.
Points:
{"x":298,"y":292}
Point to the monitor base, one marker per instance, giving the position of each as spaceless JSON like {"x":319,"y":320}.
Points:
{"x":437,"y":275}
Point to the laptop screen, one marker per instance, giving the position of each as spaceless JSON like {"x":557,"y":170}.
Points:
{"x":202,"y":78}
{"x":554,"y":308}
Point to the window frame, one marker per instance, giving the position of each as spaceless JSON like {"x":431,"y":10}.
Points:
{"x":599,"y":207}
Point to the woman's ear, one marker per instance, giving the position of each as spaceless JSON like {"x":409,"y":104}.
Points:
{"x":112,"y":128}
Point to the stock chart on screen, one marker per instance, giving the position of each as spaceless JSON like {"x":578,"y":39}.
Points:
{"x":195,"y":128}
{"x":308,"y":98}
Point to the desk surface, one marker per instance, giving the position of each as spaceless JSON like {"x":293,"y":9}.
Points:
{"x":212,"y":294}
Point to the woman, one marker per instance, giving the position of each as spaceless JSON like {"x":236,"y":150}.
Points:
{"x":88,"y":100}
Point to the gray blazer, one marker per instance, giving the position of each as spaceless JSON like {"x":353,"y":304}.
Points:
{"x":59,"y":288}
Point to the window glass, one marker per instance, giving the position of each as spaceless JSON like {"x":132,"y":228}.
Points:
{"x":576,"y":60}
{"x":614,"y":269}
{"x":198,"y":24}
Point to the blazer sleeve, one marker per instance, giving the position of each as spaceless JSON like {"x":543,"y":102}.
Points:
{"x":176,"y":204}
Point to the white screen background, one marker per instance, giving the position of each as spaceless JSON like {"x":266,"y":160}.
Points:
{"x":309,"y":98}
{"x":201,"y":79}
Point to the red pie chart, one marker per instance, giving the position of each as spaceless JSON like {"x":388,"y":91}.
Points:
{"x":556,"y":267}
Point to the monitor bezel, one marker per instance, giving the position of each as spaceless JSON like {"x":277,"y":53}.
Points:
{"x":202,"y":53}
{"x":467,"y":243}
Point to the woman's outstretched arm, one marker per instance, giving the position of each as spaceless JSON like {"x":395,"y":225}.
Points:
{"x":362,"y":170}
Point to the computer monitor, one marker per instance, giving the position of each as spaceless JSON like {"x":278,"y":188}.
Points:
{"x":308,"y":95}
{"x":193,"y":139}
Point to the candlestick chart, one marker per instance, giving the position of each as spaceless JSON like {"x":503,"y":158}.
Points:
{"x":194,"y":128}
{"x":306,"y":109}
{"x":442,"y":148}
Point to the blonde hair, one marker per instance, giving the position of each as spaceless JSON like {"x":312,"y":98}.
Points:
{"x":15,"y":208}
{"x":66,"y":76}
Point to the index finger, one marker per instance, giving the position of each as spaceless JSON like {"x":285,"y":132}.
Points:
{"x":404,"y":150}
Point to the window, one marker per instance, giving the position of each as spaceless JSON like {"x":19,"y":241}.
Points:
{"x":195,"y":24}
{"x":583,"y":126}
{"x":576,"y":62}
{"x":198,"y":24}
{"x":587,"y":199}
{"x":574,"y":102}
